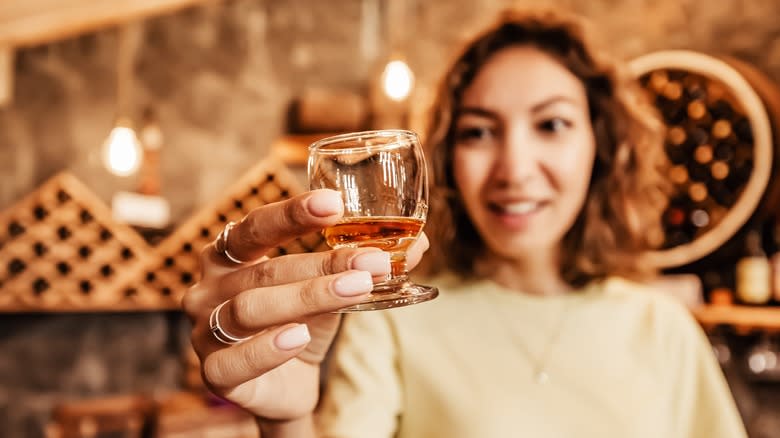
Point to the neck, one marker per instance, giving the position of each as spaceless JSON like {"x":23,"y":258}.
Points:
{"x":539,"y":275}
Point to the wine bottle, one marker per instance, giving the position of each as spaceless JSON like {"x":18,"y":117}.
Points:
{"x":700,"y":218}
{"x":724,"y":151}
{"x":703,"y":154}
{"x":697,"y":192}
{"x":672,"y":90}
{"x":720,"y":109}
{"x":676,"y":135}
{"x":658,"y":80}
{"x":694,"y":87}
{"x":678,"y":174}
{"x":753,"y":272}
{"x":697,"y":110}
{"x":721,"y":129}
{"x":719,"y":170}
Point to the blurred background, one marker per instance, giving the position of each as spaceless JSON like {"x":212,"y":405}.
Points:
{"x":131,"y":131}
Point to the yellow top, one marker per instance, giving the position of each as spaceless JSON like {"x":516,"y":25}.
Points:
{"x":619,"y":360}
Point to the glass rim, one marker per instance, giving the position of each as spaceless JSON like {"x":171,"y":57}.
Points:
{"x":378,"y":133}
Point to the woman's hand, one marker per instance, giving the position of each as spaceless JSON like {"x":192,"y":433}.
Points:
{"x":282,"y":305}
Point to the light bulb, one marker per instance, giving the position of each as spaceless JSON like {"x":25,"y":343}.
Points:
{"x":397,"y":80}
{"x":122,"y":152}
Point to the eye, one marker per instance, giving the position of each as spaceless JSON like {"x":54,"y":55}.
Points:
{"x":473,"y":133}
{"x":554,"y":124}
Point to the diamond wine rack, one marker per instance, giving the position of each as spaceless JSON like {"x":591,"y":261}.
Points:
{"x":61,"y":250}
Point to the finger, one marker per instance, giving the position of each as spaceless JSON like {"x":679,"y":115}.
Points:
{"x":256,"y":309}
{"x":299,"y":267}
{"x":214,"y":264}
{"x":229,"y":367}
{"x":415,"y":252}
{"x":274,"y":224}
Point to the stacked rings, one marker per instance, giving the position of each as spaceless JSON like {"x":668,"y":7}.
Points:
{"x":221,"y":246}
{"x":219,"y":333}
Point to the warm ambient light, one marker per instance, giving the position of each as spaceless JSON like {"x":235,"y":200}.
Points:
{"x":397,"y":80}
{"x":122,"y":152}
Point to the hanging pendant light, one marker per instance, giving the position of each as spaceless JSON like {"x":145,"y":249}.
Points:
{"x":122,"y":151}
{"x":397,"y":80}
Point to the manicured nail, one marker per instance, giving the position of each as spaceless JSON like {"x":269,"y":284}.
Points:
{"x":423,"y":240}
{"x":293,"y":337}
{"x":353,"y":283}
{"x":375,"y":262}
{"x":324,"y":203}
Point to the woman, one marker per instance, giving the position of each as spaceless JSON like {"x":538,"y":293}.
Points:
{"x":547,"y":163}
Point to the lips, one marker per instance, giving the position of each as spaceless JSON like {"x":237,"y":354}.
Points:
{"x":522,"y":207}
{"x":516,"y":207}
{"x":516,"y":215}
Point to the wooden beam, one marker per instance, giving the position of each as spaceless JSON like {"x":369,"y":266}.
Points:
{"x":6,"y":75}
{"x":35,"y":22}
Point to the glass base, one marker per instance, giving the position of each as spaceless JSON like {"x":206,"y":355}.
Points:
{"x":397,"y":295}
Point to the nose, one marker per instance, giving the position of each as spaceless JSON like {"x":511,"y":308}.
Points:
{"x":517,"y":160}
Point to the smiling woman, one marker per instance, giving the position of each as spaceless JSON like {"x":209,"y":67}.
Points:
{"x":540,"y":328}
{"x":593,"y":101}
{"x":523,"y":156}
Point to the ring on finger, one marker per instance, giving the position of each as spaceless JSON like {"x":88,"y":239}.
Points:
{"x":219,"y":332}
{"x":221,"y":244}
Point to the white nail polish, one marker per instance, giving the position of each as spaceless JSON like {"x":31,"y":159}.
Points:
{"x":293,"y":337}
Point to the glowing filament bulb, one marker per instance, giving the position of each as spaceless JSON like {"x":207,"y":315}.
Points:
{"x":122,"y":152}
{"x":397,"y":80}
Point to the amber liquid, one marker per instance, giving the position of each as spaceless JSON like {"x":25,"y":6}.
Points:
{"x":391,"y":234}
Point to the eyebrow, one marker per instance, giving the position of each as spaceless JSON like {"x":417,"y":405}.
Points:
{"x":553,"y":100}
{"x":476,"y":111}
{"x":484,"y":112}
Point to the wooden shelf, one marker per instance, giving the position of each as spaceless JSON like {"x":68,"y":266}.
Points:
{"x":33,"y":22}
{"x":293,"y":149}
{"x":744,"y":319}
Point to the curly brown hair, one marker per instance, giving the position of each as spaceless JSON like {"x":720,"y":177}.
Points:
{"x":627,"y":191}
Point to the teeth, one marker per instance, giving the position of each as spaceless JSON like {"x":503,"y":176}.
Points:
{"x":521,"y":207}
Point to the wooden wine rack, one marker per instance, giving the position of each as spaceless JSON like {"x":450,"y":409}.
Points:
{"x":173,"y":265}
{"x":61,"y":249}
{"x":699,"y":95}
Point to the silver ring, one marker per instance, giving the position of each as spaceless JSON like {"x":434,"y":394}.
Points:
{"x":219,"y":333}
{"x":221,"y":244}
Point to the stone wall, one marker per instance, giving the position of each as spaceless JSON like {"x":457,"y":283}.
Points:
{"x":220,"y":78}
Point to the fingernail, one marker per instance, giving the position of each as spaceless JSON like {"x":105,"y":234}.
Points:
{"x":375,"y":262}
{"x":423,"y":240}
{"x":324,"y":203}
{"x":293,"y":337}
{"x":353,"y":283}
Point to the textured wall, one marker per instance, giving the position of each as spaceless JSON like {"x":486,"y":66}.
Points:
{"x":220,"y":78}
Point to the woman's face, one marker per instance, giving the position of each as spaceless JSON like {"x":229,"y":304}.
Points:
{"x":524,"y":152}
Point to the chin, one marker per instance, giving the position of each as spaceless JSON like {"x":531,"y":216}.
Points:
{"x":519,"y":248}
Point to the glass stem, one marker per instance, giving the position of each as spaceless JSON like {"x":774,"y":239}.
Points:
{"x":397,"y":277}
{"x":398,"y":266}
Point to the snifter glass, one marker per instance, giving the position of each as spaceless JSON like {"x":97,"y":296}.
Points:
{"x":383,"y":181}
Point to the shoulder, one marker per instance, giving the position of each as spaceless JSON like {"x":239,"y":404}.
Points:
{"x":658,"y":311}
{"x":647,"y":296}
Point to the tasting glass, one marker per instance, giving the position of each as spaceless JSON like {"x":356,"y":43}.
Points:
{"x":383,"y":181}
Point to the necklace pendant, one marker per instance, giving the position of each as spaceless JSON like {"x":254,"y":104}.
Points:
{"x":542,"y":377}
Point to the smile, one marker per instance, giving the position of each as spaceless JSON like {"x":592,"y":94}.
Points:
{"x":523,"y":207}
{"x":516,"y":215}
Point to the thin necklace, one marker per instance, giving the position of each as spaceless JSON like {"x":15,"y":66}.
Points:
{"x":539,"y":370}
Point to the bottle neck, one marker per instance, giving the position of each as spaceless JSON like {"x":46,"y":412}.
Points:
{"x":754,"y":245}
